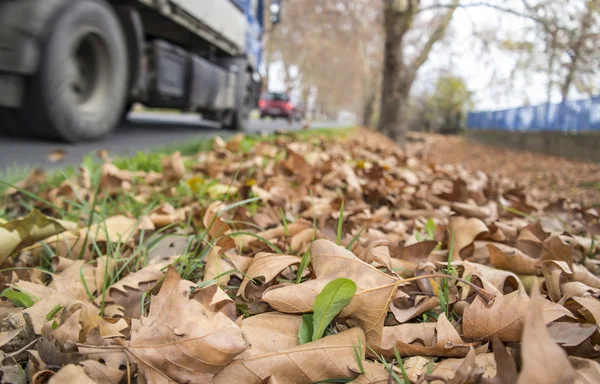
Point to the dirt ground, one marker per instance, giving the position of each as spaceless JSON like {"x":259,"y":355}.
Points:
{"x":552,"y":177}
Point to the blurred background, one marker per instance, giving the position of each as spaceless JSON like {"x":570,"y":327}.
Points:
{"x":436,"y":66}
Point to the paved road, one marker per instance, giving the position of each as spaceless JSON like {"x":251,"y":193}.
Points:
{"x":143,"y":131}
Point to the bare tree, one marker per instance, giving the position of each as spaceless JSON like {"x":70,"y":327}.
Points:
{"x":398,"y":73}
{"x":563,"y":42}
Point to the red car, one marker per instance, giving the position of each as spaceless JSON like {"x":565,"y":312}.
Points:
{"x":277,"y":105}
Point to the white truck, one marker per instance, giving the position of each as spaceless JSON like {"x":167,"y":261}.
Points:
{"x":71,"y":69}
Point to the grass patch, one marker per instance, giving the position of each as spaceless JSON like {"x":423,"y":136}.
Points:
{"x":149,"y":161}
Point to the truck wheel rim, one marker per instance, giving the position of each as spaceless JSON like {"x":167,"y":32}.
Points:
{"x":89,"y":66}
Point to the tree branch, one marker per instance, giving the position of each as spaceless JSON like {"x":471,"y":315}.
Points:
{"x":435,"y":36}
{"x":487,"y":5}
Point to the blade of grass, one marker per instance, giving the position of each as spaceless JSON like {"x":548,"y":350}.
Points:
{"x":356,"y":237}
{"x":357,"y":356}
{"x":267,"y":242}
{"x":339,"y":225}
{"x":237,"y":204}
{"x":285,"y":225}
{"x":303,"y":264}
{"x":401,"y":365}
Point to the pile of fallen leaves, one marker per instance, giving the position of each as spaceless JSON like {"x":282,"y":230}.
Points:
{"x":549,"y":177}
{"x":325,"y":260}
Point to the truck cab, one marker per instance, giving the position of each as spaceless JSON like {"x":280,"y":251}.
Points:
{"x":71,"y":69}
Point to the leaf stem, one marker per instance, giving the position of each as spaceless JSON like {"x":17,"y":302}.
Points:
{"x":486,"y":296}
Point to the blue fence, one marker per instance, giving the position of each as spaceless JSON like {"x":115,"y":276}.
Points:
{"x":571,"y":116}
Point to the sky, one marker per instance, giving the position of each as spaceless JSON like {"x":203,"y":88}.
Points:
{"x":465,"y":59}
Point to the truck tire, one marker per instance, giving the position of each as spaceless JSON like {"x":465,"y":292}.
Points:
{"x":238,"y":120}
{"x":79,"y":90}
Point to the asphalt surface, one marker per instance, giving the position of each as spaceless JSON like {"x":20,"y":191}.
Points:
{"x":143,"y":131}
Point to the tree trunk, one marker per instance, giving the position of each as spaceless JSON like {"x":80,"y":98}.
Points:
{"x":398,"y":76}
{"x":397,"y":20}
{"x":368,"y":110}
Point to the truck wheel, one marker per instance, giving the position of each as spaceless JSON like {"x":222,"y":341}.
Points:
{"x":79,"y":90}
{"x":238,"y":121}
{"x":10,"y":121}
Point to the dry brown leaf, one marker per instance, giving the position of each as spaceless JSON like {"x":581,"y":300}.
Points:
{"x":173,"y":168}
{"x":56,"y":155}
{"x":425,"y":339}
{"x":127,"y":293}
{"x":414,"y":252}
{"x":464,"y":231}
{"x":558,"y":248}
{"x":216,"y":265}
{"x":505,"y":366}
{"x":403,"y":315}
{"x":101,"y":373}
{"x":586,"y":371}
{"x":416,"y":367}
{"x":555,"y":273}
{"x":165,"y":215}
{"x":583,"y":275}
{"x":216,"y":226}
{"x":71,"y":374}
{"x":267,"y":266}
{"x":270,"y":332}
{"x":511,"y":259}
{"x":570,"y":334}
{"x":114,"y":181}
{"x":375,"y":373}
{"x":20,"y":233}
{"x":542,"y":359}
{"x":459,"y":371}
{"x":592,"y":305}
{"x":506,"y":317}
{"x":577,"y":289}
{"x":197,"y":341}
{"x":332,"y":357}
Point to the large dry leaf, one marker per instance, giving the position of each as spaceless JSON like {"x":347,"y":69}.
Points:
{"x":558,"y":248}
{"x":127,"y":293}
{"x":426,"y":339}
{"x":271,"y":332}
{"x":182,"y":339}
{"x":511,"y":259}
{"x":20,"y":233}
{"x":267,"y":266}
{"x":332,"y":357}
{"x":592,"y":305}
{"x":506,"y":317}
{"x":583,"y":275}
{"x":116,"y":229}
{"x":542,"y":360}
{"x":464,"y":231}
{"x":555,"y":273}
{"x":570,"y":334}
